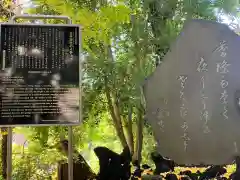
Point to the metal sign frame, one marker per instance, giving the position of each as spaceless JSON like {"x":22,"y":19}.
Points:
{"x":13,"y":22}
{"x":70,"y":131}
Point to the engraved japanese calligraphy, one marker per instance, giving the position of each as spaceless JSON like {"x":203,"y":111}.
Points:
{"x":223,"y":70}
{"x":204,"y":114}
{"x":235,"y":147}
{"x":162,"y":113}
{"x":199,"y":77}
{"x":202,"y":65}
{"x":183,"y":110}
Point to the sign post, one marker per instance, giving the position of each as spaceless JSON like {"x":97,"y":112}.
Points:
{"x":44,"y":63}
{"x":70,"y":153}
{"x":9,"y":154}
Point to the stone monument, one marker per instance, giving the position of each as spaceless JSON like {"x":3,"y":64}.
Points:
{"x":192,"y":98}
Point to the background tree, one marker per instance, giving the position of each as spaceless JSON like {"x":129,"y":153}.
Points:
{"x":5,"y":10}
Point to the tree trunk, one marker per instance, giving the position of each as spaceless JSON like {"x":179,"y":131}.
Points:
{"x":139,"y":137}
{"x":114,"y":111}
{"x":4,"y":152}
{"x":129,"y":131}
{"x":112,"y":102}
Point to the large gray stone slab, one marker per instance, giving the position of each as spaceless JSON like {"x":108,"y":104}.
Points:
{"x":192,"y":97}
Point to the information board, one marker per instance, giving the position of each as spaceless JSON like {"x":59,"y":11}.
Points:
{"x":39,"y":74}
{"x":192,"y":98}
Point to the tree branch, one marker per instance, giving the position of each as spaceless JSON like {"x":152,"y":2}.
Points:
{"x":114,"y":111}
